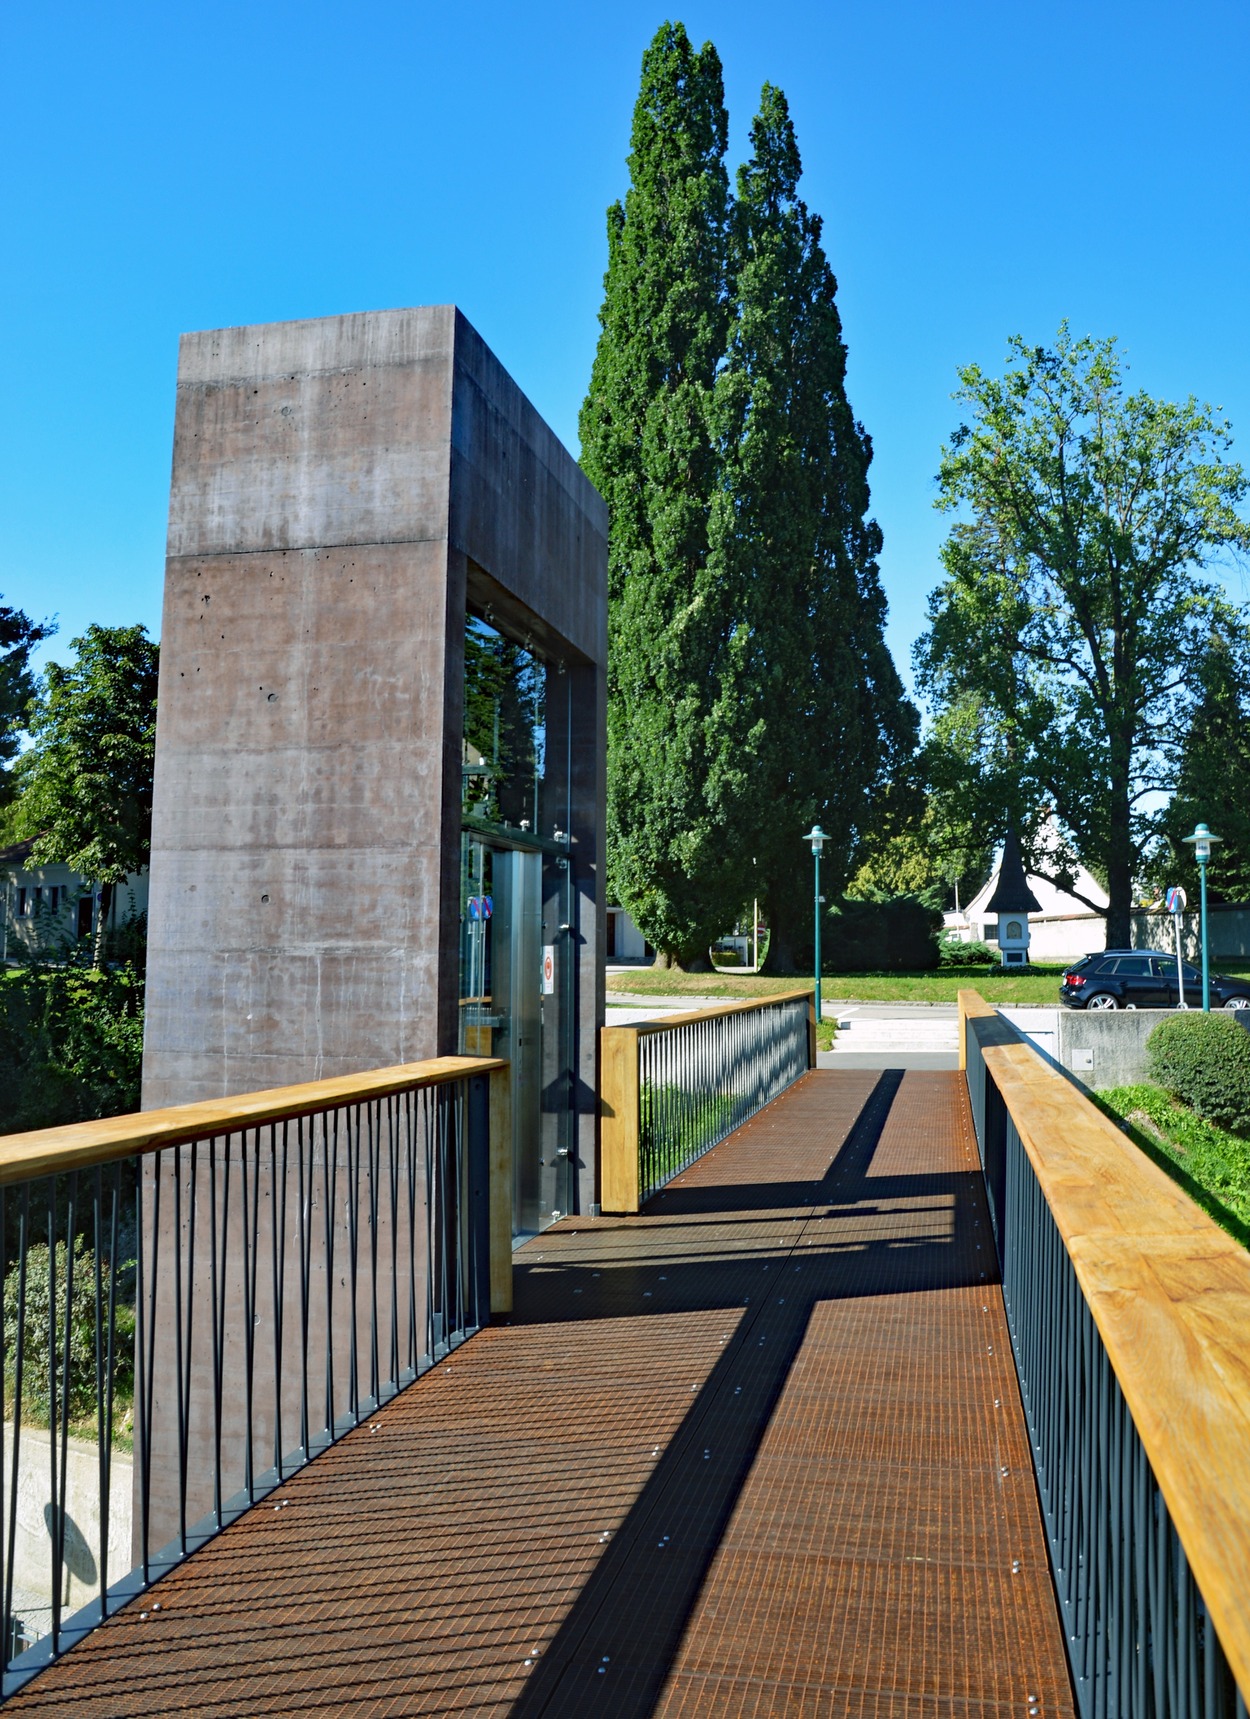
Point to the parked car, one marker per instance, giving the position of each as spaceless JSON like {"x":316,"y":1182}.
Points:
{"x":1144,"y":979}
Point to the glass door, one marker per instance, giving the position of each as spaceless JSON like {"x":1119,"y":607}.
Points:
{"x":514,"y":1003}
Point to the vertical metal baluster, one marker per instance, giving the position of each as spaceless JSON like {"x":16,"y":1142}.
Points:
{"x":218,"y":1235}
{"x":19,"y":1356}
{"x":185,"y":1384}
{"x":375,"y":1152}
{"x":304,"y":1193}
{"x":412,"y":1101}
{"x":249,"y":1193}
{"x":6,"y":1621}
{"x":57,"y":1406}
{"x":428,"y":1119}
{"x":146,"y":1289}
{"x":392,"y":1148}
{"x":179,"y":1411}
{"x":353,"y":1247}
{"x":277,"y":1236}
{"x":330,"y":1148}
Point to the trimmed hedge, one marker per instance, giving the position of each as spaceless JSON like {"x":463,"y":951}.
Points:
{"x":1205,"y":1061}
{"x":891,"y":934}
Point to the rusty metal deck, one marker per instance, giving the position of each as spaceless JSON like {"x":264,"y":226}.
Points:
{"x":759,"y":1451}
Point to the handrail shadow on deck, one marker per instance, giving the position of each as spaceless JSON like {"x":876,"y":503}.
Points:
{"x":615,"y":1647}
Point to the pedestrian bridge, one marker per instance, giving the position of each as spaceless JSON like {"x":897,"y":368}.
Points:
{"x":915,"y":1394}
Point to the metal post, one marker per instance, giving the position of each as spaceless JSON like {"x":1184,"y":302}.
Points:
{"x":1206,"y":961}
{"x":816,"y":858}
{"x":1202,"y":842}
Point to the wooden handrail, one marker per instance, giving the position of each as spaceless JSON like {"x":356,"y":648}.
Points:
{"x":665,"y":1023}
{"x":620,"y":1188}
{"x":80,"y":1145}
{"x":1170,"y":1294}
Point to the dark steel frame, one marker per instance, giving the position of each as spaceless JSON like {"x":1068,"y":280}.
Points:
{"x":380,"y":1208}
{"x":1140,"y":1641}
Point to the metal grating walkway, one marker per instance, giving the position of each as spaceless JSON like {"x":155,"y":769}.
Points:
{"x":759,"y":1451}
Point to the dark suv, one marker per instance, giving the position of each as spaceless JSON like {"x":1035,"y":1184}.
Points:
{"x":1144,"y":979}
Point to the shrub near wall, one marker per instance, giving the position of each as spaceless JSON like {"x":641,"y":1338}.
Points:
{"x":1205,"y":1061}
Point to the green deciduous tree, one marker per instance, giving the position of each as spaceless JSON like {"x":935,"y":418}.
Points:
{"x":1213,"y":778}
{"x":647,"y":446}
{"x":1065,"y":638}
{"x":809,"y":723}
{"x":18,"y":637}
{"x":87,"y":779}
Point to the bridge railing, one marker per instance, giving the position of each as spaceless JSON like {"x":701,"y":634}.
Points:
{"x":1129,"y":1312}
{"x":197,"y":1300}
{"x":670,"y":1088}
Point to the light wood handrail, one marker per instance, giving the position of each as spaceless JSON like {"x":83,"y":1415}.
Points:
{"x":620,"y":1188}
{"x":664,"y":1023}
{"x":1170,"y":1294}
{"x":80,"y":1145}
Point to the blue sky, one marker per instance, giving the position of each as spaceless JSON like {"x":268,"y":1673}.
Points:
{"x":982,"y":169}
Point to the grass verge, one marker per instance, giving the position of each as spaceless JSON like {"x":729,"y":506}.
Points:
{"x":1039,"y":985}
{"x":1211,"y":1165}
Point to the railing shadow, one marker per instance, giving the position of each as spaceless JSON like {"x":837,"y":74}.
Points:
{"x":615,"y":1647}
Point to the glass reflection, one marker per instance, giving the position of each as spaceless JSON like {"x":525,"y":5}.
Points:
{"x":505,"y":729}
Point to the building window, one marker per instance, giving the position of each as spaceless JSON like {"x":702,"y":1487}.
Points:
{"x":23,"y":904}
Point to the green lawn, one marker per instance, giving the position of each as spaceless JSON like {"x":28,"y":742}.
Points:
{"x":1040,"y":985}
{"x":1212,"y":1165}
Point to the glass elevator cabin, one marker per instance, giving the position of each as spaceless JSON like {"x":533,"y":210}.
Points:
{"x":517,"y":965}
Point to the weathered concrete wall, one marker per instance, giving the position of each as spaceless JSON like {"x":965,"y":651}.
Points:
{"x":79,"y":1575}
{"x":337,"y":486}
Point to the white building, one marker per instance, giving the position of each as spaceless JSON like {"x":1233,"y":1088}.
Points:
{"x":1062,"y":929}
{"x":44,"y":907}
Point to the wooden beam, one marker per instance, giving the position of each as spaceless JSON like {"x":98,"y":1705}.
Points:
{"x":500,"y":1191}
{"x":619,"y":1188}
{"x":79,"y":1145}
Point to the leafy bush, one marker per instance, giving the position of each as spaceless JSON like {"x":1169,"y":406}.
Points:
{"x":81,"y":1394}
{"x":71,"y":1044}
{"x":886,"y":934}
{"x":953,"y":953}
{"x":1205,"y":1061}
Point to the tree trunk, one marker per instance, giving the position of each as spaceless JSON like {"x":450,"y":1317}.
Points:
{"x":101,"y":919}
{"x":682,"y":961}
{"x":1119,"y":865}
{"x":780,"y":956}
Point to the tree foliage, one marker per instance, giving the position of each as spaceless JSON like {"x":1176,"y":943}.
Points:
{"x":87,"y":779}
{"x":1065,"y":638}
{"x":1213,"y":779}
{"x":809,"y":714}
{"x":647,"y":446}
{"x":18,"y":637}
{"x":747,"y":667}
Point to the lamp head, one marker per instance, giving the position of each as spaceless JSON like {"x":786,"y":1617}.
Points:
{"x":1202,"y":841}
{"x":816,"y":836}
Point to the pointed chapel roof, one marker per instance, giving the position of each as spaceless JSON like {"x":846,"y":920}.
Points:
{"x":1013,"y":894}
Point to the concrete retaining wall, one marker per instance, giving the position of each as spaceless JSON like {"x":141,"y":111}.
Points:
{"x":1098,"y":1050}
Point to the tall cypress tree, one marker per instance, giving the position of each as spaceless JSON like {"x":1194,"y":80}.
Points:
{"x":810,"y":723}
{"x":647,"y":446}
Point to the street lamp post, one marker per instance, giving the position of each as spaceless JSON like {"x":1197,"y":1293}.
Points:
{"x":816,"y":836}
{"x":1202,"y":841}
